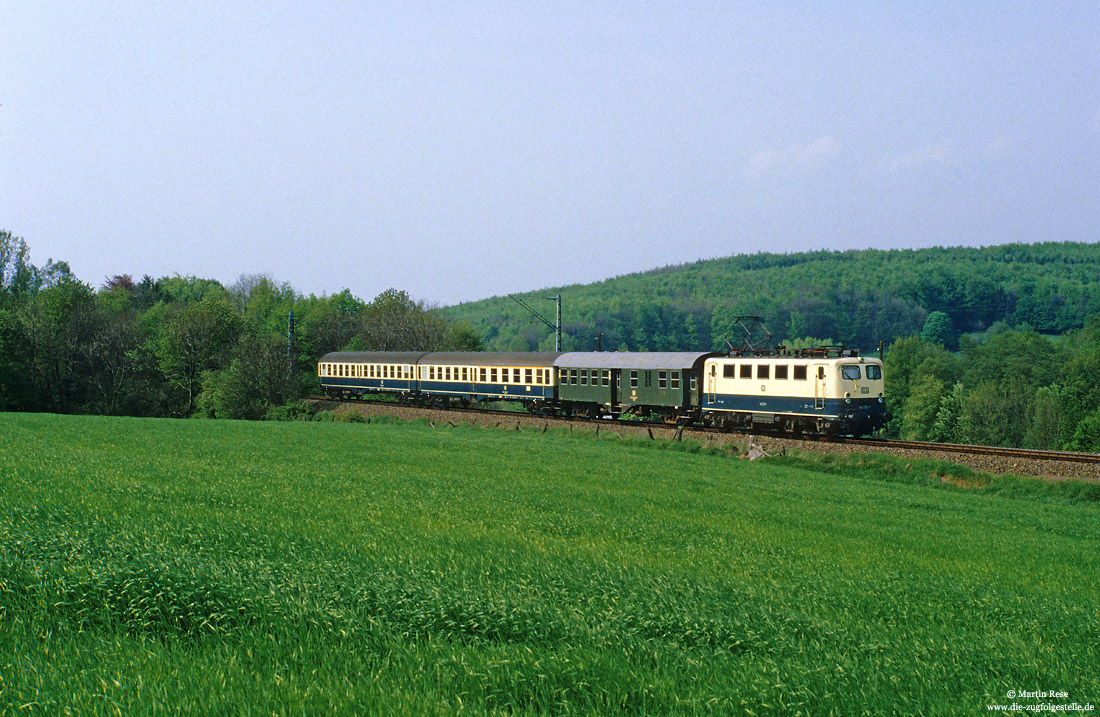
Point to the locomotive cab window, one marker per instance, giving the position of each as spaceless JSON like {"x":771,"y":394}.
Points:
{"x":850,"y":372}
{"x":874,"y":372}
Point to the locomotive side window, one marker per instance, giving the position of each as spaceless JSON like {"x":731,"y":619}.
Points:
{"x":746,"y":370}
{"x":781,"y":372}
{"x":874,"y":372}
{"x":728,"y":371}
{"x":850,"y":373}
{"x":763,"y":370}
{"x":800,"y":372}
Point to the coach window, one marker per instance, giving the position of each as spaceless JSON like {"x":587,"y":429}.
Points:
{"x":573,"y":376}
{"x":634,"y":379}
{"x":746,"y":370}
{"x":676,"y":379}
{"x":694,"y":382}
{"x":584,"y":377}
{"x":799,"y":372}
{"x":483,"y":373}
{"x":527,"y":376}
{"x":605,"y":377}
{"x":662,"y":379}
{"x":781,"y":372}
{"x":763,"y":370}
{"x":493,"y":375}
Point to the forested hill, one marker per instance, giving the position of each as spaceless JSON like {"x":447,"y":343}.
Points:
{"x":857,"y":298}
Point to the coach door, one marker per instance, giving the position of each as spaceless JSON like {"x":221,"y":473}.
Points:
{"x":819,"y":386}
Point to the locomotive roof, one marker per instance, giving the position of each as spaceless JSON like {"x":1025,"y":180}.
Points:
{"x":623,"y":359}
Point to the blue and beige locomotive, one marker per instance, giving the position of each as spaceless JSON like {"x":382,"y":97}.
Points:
{"x":828,"y":391}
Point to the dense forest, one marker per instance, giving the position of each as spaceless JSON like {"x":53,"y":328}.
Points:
{"x":855,"y":298}
{"x":184,"y":346}
{"x":998,"y":345}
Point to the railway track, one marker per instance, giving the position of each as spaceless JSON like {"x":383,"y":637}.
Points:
{"x":1021,"y":453}
{"x":990,"y":459}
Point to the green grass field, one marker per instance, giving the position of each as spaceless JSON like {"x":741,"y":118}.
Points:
{"x":218,"y":567}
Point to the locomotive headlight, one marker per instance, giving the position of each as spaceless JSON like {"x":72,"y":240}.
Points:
{"x":847,"y":400}
{"x":881,"y":400}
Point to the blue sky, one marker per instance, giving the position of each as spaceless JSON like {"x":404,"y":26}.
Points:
{"x":464,"y":150}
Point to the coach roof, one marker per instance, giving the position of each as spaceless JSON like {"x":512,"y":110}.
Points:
{"x":616,"y":359}
{"x":537,"y":359}
{"x":391,"y":357}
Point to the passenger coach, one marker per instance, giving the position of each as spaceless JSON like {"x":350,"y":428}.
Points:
{"x":614,"y":383}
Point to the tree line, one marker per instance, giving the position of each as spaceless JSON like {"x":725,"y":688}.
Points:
{"x":1009,"y":386}
{"x":184,"y":346}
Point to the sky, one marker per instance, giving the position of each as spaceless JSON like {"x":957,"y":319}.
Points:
{"x":471,"y":149}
